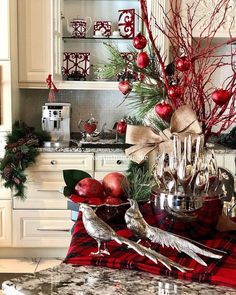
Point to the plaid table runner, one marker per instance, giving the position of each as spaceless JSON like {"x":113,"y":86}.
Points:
{"x":217,"y":272}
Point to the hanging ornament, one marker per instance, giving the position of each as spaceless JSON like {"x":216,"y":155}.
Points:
{"x":183,"y":64}
{"x":164,"y":110}
{"x":221,"y":96}
{"x":121,"y":126}
{"x":139,"y":41}
{"x":142,"y":60}
{"x":125,"y":87}
{"x":175,"y":91}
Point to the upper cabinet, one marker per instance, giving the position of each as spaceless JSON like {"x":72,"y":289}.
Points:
{"x":34,"y":41}
{"x":5,"y":30}
{"x":203,"y":17}
{"x":66,"y":38}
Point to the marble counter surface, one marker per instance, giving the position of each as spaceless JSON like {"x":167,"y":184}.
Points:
{"x":88,"y":280}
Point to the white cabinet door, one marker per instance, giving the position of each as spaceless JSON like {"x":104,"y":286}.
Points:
{"x":5,"y":29}
{"x":45,"y":179}
{"x":230,"y":163}
{"x":111,"y":162}
{"x":5,"y":96}
{"x":34,"y":39}
{"x":5,"y":223}
{"x":42,"y":228}
{"x":59,"y":161}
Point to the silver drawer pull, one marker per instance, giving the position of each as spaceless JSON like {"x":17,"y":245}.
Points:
{"x":54,"y":229}
{"x":53,"y":162}
{"x":118,"y":162}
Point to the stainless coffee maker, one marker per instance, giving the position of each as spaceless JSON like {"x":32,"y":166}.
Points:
{"x":56,"y":121}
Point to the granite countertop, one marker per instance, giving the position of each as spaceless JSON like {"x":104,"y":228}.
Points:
{"x":89,"y":280}
{"x":110,"y":145}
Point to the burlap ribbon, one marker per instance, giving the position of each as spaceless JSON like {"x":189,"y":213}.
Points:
{"x":183,"y":122}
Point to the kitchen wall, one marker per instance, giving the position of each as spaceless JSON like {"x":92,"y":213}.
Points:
{"x":105,"y":106}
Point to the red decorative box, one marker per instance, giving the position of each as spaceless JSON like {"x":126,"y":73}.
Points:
{"x":126,"y":23}
{"x":76,"y":65}
{"x":104,"y":27}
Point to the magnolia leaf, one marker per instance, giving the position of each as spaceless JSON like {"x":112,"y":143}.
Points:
{"x":71,"y":177}
{"x":67,"y":191}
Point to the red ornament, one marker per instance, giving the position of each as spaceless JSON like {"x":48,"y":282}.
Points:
{"x":125,"y":87}
{"x":164,"y":111}
{"x":143,"y":60}
{"x":139,"y":41}
{"x":183,"y":64}
{"x":175,"y":91}
{"x":221,"y":96}
{"x":121,"y":127}
{"x":89,"y":127}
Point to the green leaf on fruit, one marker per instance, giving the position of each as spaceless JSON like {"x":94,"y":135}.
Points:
{"x":67,"y":191}
{"x":71,"y":177}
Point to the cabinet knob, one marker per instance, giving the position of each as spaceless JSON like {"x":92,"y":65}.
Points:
{"x":53,"y":162}
{"x":118,"y":162}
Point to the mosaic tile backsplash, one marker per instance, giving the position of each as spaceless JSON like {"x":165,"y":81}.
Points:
{"x":106,"y":106}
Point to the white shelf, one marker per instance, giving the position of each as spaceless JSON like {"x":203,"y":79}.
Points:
{"x":74,"y":85}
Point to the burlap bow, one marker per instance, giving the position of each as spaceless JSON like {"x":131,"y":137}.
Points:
{"x":183,"y":122}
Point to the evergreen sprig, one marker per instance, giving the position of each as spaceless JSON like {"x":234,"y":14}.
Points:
{"x":21,"y":151}
{"x":140,"y":182}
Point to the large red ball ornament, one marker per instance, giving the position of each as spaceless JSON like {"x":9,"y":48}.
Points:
{"x":221,"y":96}
{"x":142,"y":60}
{"x":121,"y":127}
{"x":164,"y":111}
{"x":139,"y":41}
{"x":175,"y":91}
{"x":183,"y":64}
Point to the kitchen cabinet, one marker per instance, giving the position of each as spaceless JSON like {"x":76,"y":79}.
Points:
{"x":45,"y":178}
{"x":112,"y":162}
{"x":47,"y":223}
{"x":5,"y":217}
{"x":5,"y":30}
{"x":5,"y":223}
{"x":44,"y":37}
{"x":34,"y":41}
{"x":42,"y":228}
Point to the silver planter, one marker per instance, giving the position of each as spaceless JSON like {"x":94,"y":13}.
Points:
{"x":178,"y":204}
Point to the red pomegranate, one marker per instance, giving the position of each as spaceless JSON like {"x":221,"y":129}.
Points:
{"x":90,"y":188}
{"x":114,"y":183}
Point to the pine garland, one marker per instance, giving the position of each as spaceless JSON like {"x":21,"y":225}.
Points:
{"x":21,"y":151}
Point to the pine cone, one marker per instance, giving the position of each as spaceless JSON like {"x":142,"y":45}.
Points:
{"x":7,"y":172}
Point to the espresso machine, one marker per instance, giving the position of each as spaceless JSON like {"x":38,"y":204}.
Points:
{"x":56,"y":121}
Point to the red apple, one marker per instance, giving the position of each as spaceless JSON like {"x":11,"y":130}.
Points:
{"x":90,"y":188}
{"x":114,"y":183}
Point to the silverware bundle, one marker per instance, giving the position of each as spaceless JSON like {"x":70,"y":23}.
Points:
{"x":188,"y":174}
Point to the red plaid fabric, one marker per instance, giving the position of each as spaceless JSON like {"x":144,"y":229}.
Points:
{"x":217,"y":272}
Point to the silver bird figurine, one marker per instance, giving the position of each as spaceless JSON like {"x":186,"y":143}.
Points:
{"x":102,"y":233}
{"x":137,"y":224}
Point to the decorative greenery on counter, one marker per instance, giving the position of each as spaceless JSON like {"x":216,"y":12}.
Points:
{"x":21,"y":152}
{"x":140,"y":181}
